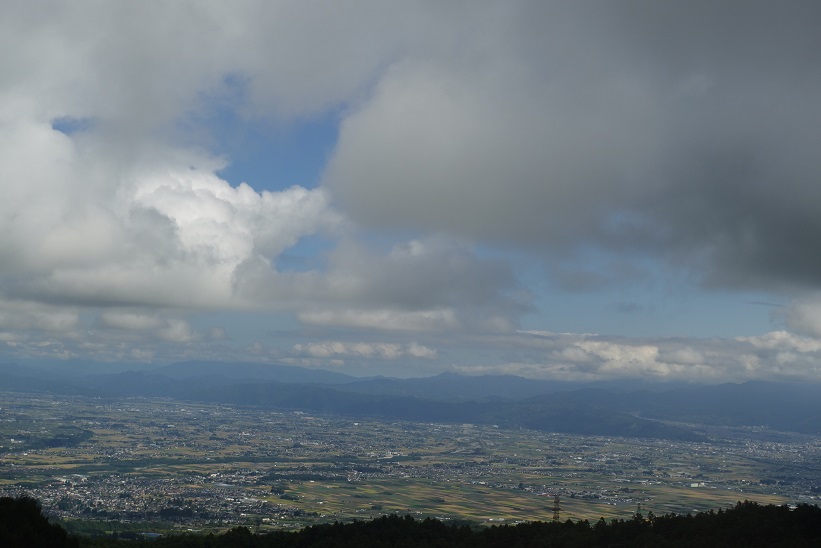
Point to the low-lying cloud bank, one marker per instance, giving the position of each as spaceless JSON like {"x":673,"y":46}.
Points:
{"x":778,"y":355}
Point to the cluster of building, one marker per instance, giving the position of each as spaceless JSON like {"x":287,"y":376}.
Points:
{"x":163,"y":461}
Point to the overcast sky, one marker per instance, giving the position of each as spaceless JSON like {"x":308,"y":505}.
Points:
{"x":557,"y":189}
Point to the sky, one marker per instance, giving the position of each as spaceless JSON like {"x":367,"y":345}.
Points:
{"x":565,"y":190}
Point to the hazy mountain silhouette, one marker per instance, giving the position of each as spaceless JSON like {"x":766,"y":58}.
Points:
{"x":509,"y":401}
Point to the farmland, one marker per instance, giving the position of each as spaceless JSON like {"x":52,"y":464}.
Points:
{"x":165,"y":464}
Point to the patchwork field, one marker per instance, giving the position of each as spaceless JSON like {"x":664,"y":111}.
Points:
{"x":174,"y":465}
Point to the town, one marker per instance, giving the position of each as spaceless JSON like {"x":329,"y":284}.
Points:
{"x":161,"y":465}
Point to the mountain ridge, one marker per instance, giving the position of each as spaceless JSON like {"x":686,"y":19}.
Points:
{"x":504,"y":400}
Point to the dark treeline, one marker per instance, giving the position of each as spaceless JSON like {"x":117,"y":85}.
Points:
{"x":748,"y":524}
{"x":23,"y":524}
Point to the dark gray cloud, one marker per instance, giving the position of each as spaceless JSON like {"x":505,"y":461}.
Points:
{"x":682,"y":130}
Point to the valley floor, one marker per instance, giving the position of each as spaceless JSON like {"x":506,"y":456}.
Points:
{"x":141,"y":464}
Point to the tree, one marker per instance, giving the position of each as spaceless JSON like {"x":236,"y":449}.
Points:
{"x":22,"y":523}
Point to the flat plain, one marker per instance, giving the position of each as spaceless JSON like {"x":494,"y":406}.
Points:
{"x":153,"y":464}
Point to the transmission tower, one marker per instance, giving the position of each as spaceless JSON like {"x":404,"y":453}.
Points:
{"x":556,"y":509}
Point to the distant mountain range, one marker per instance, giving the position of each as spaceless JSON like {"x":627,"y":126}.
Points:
{"x":613,"y":409}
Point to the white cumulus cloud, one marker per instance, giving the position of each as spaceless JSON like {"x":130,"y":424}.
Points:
{"x":381,"y":351}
